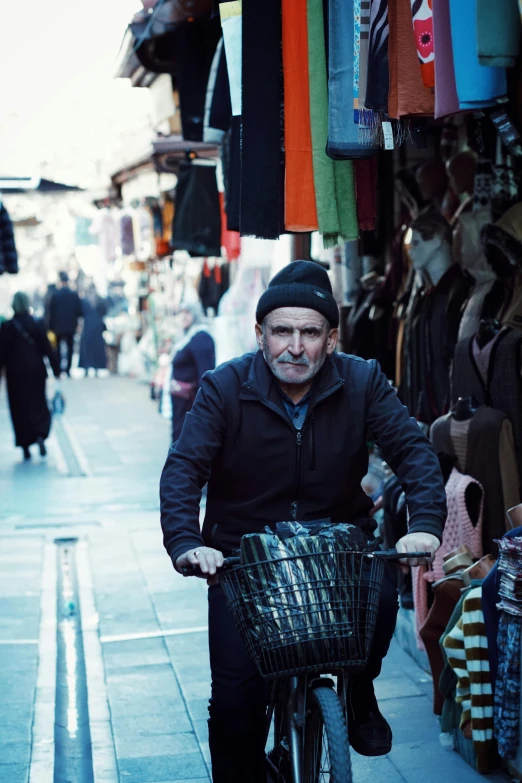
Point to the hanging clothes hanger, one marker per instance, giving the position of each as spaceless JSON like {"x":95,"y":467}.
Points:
{"x":487,"y":331}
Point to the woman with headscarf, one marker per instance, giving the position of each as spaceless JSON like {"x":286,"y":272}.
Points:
{"x":193,"y":355}
{"x":92,"y":344}
{"x":23,"y":346}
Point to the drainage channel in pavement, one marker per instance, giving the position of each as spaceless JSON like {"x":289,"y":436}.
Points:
{"x":71,"y":738}
{"x":67,"y":452}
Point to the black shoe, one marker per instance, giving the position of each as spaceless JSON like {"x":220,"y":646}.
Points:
{"x":370,"y":734}
{"x":27,"y":453}
{"x":41,"y":445}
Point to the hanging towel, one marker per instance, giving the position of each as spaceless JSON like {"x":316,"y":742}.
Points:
{"x":422,"y":14}
{"x":378,"y":78}
{"x":446,"y":98}
{"x":347,"y":138}
{"x":366,"y":192}
{"x":262,"y":173}
{"x":334,"y":180}
{"x":300,"y":209}
{"x":408,"y":96}
{"x":211,"y":134}
{"x":197,"y":216}
{"x":477,"y":85}
{"x":498,"y":33}
{"x":232,"y":38}
{"x":220,"y":115}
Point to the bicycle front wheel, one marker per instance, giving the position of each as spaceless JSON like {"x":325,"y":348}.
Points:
{"x":326,"y":746}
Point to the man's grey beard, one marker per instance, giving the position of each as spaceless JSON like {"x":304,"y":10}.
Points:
{"x":287,"y":358}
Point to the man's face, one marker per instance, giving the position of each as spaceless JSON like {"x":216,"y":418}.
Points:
{"x":295,"y":342}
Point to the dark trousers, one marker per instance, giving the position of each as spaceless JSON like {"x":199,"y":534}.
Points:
{"x":65,"y":344}
{"x":240,"y":696}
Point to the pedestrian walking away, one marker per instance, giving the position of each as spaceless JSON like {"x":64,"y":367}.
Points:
{"x":65,"y":310}
{"x":281,"y":434}
{"x":192,"y":356}
{"x":92,"y":344}
{"x":23,"y":346}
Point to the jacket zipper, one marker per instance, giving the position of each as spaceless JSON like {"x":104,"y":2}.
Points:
{"x":298,"y":442}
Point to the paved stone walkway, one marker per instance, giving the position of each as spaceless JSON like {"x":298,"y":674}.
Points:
{"x":155,"y":689}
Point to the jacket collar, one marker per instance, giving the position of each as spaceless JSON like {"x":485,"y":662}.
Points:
{"x":262,"y":385}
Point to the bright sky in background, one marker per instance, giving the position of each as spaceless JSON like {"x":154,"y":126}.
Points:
{"x":61,"y":110}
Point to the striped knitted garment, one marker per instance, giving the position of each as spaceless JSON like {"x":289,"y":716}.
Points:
{"x":467,"y":650}
{"x":458,"y":530}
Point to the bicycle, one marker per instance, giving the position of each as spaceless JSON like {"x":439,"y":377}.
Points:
{"x":299,"y":630}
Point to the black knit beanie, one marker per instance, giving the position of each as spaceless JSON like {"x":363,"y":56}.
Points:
{"x":300,"y":284}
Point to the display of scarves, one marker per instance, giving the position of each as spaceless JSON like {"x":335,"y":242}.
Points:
{"x":422,"y":14}
{"x":408,"y":95}
{"x":366,"y":192}
{"x":334,"y":180}
{"x":232,"y":39}
{"x":477,"y":85}
{"x":348,"y":138}
{"x":211,"y":134}
{"x":446,"y":98}
{"x":300,"y":208}
{"x":262,"y":172}
{"x":378,"y":78}
{"x":363,"y":45}
{"x":498,"y":33}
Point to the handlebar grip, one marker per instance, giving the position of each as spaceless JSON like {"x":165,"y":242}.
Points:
{"x":228,"y":563}
{"x":392,"y":555}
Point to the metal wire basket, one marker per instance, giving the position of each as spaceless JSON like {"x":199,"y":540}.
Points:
{"x":313,"y":612}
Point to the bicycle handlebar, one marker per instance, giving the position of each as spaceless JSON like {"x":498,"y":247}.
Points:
{"x":391,"y":555}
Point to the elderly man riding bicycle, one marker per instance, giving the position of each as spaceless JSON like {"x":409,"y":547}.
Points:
{"x":281,"y":435}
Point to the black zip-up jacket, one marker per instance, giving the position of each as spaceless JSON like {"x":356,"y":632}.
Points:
{"x":261,"y":470}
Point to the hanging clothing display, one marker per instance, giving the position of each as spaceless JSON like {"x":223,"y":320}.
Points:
{"x":8,"y":254}
{"x":498,"y":33}
{"x":334,"y":180}
{"x":262,"y":157}
{"x":300,"y":208}
{"x":210,"y":133}
{"x":491,"y":376}
{"x":126,"y":235}
{"x":220,"y":111}
{"x":197,"y":216}
{"x":232,"y":39}
{"x":408,"y":95}
{"x":378,"y":77}
{"x":446,"y":98}
{"x":422,"y":14}
{"x":366,"y":192}
{"x":485,"y":449}
{"x":348,"y":136}
{"x":477,"y":85}
{"x":466,"y":648}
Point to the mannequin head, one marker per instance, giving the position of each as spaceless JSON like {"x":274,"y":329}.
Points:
{"x":432,"y":180}
{"x":430,"y":246}
{"x":467,"y":247}
{"x":461,"y":169}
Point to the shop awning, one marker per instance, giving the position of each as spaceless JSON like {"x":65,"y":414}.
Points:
{"x":170,"y":150}
{"x":31,"y":184}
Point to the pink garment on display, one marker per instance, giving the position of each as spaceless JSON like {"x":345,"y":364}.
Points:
{"x":459,"y":530}
{"x":446,"y":98}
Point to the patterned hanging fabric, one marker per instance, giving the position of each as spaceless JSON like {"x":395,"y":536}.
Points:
{"x":422,"y":13}
{"x":378,"y":77}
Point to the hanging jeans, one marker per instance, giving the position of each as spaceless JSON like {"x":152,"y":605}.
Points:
{"x":240,"y":696}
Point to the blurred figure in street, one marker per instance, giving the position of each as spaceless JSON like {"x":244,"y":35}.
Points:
{"x":23,"y":346}
{"x":193,"y":355}
{"x":92,"y":344}
{"x":64,"y":311}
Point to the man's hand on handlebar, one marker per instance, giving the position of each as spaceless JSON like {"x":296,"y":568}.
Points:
{"x":208,"y":560}
{"x":417,"y":542}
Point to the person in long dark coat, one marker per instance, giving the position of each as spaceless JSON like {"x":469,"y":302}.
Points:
{"x":92,"y":344}
{"x":194,"y":354}
{"x":23,"y":346}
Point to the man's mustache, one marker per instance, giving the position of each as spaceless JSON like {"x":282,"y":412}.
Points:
{"x":287,"y":358}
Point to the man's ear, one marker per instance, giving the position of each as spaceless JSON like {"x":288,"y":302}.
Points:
{"x":259,"y":336}
{"x":333,"y":338}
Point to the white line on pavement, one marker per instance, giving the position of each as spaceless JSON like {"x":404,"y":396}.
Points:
{"x":103,"y":751}
{"x":42,"y":748}
{"x":76,"y":448}
{"x":18,"y":641}
{"x":131,"y":637}
{"x":57,"y":455}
